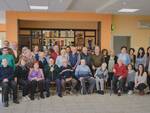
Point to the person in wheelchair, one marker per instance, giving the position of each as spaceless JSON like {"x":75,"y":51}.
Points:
{"x":101,"y":76}
{"x":83,"y":73}
{"x":21,"y":72}
{"x":119,"y":79}
{"x":7,"y":82}
{"x":36,"y":78}
{"x":67,"y":76}
{"x":52,"y":75}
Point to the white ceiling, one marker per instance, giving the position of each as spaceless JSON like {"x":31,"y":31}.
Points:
{"x":99,"y":6}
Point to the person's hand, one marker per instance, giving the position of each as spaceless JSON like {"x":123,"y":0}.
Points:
{"x":120,"y":78}
{"x":114,"y":70}
{"x":5,"y":80}
{"x":52,"y":69}
{"x":93,"y":67}
{"x":68,"y":79}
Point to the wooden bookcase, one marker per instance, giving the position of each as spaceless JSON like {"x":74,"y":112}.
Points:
{"x":45,"y":38}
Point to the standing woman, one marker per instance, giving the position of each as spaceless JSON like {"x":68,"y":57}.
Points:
{"x":132,"y":56}
{"x":36,"y":78}
{"x":147,"y":67}
{"x":105,"y":55}
{"x":141,"y":79}
{"x":140,"y":59}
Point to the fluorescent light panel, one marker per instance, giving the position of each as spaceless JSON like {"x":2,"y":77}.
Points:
{"x":36,"y":7}
{"x":124,"y":10}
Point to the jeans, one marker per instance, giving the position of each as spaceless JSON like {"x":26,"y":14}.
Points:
{"x":130,"y":85}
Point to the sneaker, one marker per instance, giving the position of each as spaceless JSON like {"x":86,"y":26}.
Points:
{"x":24,"y":99}
{"x":48,"y":95}
{"x":27,"y":97}
{"x":130,"y":92}
{"x":119,"y":93}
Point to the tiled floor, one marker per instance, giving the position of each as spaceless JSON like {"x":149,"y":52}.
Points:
{"x":83,"y":104}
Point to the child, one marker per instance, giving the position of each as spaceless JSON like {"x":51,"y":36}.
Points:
{"x":130,"y":79}
{"x":101,"y":76}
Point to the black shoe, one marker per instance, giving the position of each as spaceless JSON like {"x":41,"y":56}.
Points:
{"x":102,"y":92}
{"x":6,"y":104}
{"x":16,"y":101}
{"x":119,"y":93}
{"x":60,"y":95}
{"x":48,"y":95}
{"x":99,"y":92}
{"x":32,"y":97}
{"x":42,"y":96}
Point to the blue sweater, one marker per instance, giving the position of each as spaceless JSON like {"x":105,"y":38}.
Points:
{"x":74,"y":59}
{"x":82,"y":71}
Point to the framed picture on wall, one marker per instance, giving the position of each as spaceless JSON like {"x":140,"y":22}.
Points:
{"x":90,"y":42}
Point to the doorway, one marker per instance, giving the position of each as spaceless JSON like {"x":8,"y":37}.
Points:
{"x":119,"y":41}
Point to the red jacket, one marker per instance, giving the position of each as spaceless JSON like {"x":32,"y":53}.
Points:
{"x":120,"y":70}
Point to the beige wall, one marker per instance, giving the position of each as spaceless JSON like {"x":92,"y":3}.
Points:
{"x":128,"y":26}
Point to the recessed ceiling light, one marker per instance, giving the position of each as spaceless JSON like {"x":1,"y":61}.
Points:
{"x":35,"y":7}
{"x":124,"y":10}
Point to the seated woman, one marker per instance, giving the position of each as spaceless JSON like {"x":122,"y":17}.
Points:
{"x":36,"y":78}
{"x":7,"y":82}
{"x":130,"y":79}
{"x":67,"y":76}
{"x":141,"y":79}
{"x":119,"y":79}
{"x":83,"y":73}
{"x":21,"y":73}
{"x":101,"y":76}
{"x":52,"y":74}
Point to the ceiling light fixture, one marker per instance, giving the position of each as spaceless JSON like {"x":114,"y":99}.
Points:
{"x":36,"y":7}
{"x":126,"y":10}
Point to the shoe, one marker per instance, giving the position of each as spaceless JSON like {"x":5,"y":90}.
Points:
{"x":99,"y":92}
{"x":102,"y":92}
{"x":60,"y":95}
{"x":42,"y":96}
{"x":141,"y":93}
{"x":16,"y":101}
{"x":24,"y":99}
{"x":27,"y":97}
{"x":119,"y":93}
{"x":32,"y":97}
{"x":130,"y":92}
{"x":6,"y":104}
{"x":48,"y":95}
{"x":148,"y":92}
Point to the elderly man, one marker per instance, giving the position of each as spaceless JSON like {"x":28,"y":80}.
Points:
{"x":83,"y":73}
{"x":7,"y":82}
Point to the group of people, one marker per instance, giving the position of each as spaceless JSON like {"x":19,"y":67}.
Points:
{"x":82,"y":70}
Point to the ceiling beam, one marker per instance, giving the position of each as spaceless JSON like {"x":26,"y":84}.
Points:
{"x":107,"y":4}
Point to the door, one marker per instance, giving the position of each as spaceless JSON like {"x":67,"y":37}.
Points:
{"x":119,"y":41}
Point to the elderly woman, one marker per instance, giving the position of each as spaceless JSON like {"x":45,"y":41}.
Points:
{"x":59,"y":58}
{"x":36,"y":78}
{"x":120,"y":75}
